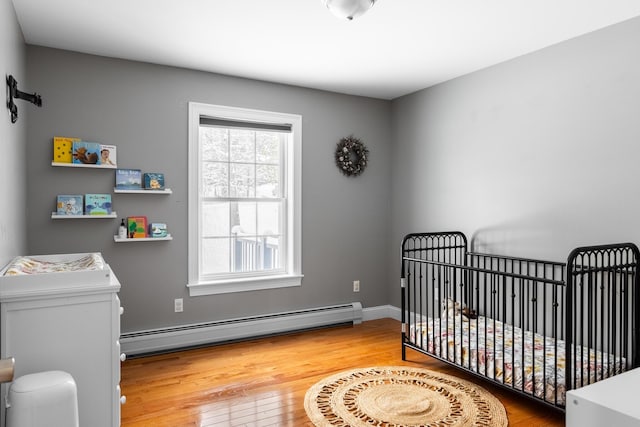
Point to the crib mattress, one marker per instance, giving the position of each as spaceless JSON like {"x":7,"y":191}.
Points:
{"x":501,"y":352}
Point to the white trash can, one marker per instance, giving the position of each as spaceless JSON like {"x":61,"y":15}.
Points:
{"x":44,"y":399}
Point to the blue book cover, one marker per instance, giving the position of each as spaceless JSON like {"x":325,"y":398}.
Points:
{"x":87,"y":153}
{"x":153,"y":181}
{"x":129,"y":179}
{"x":158,"y":229}
{"x":69,"y":204}
{"x":97,"y":204}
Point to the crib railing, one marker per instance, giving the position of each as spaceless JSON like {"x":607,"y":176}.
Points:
{"x":594,"y":311}
{"x":603,"y":299}
{"x":526,"y":293}
{"x":430,"y":268}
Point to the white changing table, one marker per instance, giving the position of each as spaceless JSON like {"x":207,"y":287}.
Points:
{"x":68,"y":321}
{"x":610,"y":402}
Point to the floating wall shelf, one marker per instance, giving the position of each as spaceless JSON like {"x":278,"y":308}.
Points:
{"x":82,"y":165}
{"x":56,"y":216}
{"x":141,"y":191}
{"x":141,"y":239}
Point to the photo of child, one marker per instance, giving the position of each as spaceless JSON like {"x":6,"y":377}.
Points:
{"x":104,"y":157}
{"x":108,"y":155}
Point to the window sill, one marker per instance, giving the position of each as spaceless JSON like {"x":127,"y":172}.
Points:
{"x":244,"y":285}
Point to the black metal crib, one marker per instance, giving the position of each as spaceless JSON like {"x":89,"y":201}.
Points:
{"x":518,"y":322}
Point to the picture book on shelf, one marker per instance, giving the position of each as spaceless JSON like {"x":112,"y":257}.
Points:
{"x":158,"y":229}
{"x":87,"y":153}
{"x":153,"y":181}
{"x":69,"y":204}
{"x":128,"y":179}
{"x":63,"y":149}
{"x":137,"y":226}
{"x":108,"y":155}
{"x":97,"y":204}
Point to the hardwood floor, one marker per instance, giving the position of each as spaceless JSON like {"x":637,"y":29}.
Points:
{"x":262,"y":382}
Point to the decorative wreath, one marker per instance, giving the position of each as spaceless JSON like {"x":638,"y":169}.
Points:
{"x":351,"y":156}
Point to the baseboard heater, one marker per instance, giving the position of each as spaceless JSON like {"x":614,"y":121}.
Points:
{"x":168,"y":339}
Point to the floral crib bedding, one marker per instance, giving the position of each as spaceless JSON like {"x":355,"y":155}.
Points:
{"x":501,"y":351}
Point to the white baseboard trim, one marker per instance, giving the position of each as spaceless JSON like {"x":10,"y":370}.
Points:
{"x":381,"y":312}
{"x":168,"y":339}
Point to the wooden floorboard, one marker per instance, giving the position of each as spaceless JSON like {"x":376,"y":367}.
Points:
{"x":262,"y":382}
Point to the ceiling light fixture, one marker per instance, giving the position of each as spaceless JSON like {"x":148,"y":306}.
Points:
{"x":348,"y":9}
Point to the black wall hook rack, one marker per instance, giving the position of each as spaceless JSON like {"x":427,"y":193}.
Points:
{"x":14,"y":93}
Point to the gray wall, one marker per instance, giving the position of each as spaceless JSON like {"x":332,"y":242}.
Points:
{"x":142,"y":109}
{"x":531,"y":157}
{"x":13,"y":138}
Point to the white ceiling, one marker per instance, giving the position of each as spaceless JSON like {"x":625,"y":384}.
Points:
{"x":396,"y":48}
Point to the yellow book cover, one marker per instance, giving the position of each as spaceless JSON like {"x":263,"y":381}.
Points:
{"x":62,"y":149}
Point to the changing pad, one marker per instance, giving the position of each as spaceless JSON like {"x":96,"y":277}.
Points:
{"x":31,"y":265}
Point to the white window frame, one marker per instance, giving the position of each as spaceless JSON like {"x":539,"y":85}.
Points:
{"x":292,"y":276}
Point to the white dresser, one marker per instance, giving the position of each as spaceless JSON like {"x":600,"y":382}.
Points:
{"x":611,"y":402}
{"x":67,"y":321}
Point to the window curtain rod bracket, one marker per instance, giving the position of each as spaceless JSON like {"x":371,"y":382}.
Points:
{"x":14,"y":93}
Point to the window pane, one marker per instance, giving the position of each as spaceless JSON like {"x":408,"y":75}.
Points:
{"x":269,"y":218}
{"x":245,"y":254}
{"x":215,"y":219}
{"x":243,"y":217}
{"x":242,"y":181}
{"x":268,"y":181}
{"x":216,"y":256}
{"x":215,"y":179}
{"x":268,"y":147}
{"x":214,"y":143}
{"x":255,"y":253}
{"x":270,"y":255}
{"x":242,"y":145}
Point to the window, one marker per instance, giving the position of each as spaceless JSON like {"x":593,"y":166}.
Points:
{"x":244,"y":199}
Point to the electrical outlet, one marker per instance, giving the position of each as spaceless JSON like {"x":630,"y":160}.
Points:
{"x":356,"y":286}
{"x":177,"y":305}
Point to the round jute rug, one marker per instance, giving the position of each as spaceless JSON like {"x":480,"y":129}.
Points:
{"x":401,"y":396}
